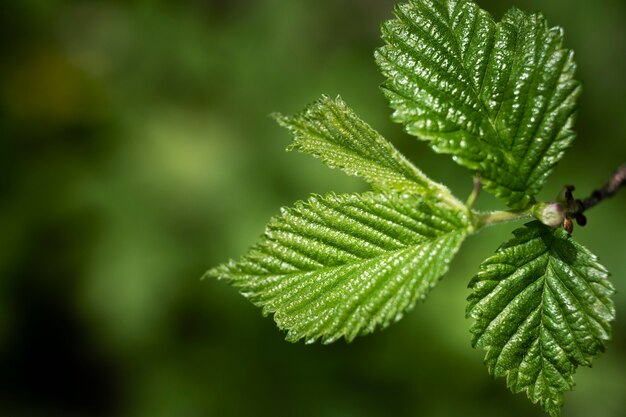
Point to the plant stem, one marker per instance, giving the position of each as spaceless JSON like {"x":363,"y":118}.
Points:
{"x":617,"y":180}
{"x":576,"y":207}
{"x":475,"y":192}
{"x":497,"y":217}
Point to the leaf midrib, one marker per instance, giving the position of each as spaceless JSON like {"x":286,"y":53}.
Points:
{"x":363,"y":260}
{"x":550,"y":251}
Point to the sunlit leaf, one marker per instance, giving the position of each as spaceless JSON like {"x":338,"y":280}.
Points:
{"x":328,"y":129}
{"x":342,"y":265}
{"x":542,"y":308}
{"x":499,"y":97}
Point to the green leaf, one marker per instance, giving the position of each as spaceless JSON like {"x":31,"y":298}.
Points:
{"x":328,"y":129}
{"x":342,"y":265}
{"x":498,"y":97}
{"x":542,"y":308}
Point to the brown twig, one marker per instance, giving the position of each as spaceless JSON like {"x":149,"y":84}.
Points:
{"x":617,"y":180}
{"x":576,"y":207}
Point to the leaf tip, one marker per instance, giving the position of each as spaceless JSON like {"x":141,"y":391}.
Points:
{"x":281,"y":119}
{"x":219,"y":272}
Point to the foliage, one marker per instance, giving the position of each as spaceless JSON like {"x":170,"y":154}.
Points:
{"x":501,"y":99}
{"x":341,"y":265}
{"x":542,"y":307}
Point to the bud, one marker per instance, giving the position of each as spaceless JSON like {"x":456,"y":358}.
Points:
{"x":581,"y":219}
{"x":568,"y":225}
{"x":550,"y":214}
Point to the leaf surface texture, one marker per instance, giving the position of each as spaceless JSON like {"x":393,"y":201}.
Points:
{"x":342,"y":265}
{"x":542,"y":307}
{"x":331,"y":131}
{"x":499,"y":97}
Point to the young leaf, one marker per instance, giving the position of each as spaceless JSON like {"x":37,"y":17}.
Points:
{"x":341,"y":265}
{"x":499,"y":97}
{"x":542,"y":308}
{"x":328,"y":129}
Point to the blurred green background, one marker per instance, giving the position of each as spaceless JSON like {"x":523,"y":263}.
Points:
{"x":136,"y":152}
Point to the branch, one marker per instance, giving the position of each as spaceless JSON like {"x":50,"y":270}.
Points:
{"x":576,"y":207}
{"x":617,"y":180}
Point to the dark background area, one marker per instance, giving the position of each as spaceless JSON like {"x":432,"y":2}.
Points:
{"x":136,"y":152}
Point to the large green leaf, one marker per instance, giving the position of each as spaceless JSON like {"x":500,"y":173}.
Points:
{"x":341,"y":265}
{"x":499,"y":97}
{"x":542,"y":308}
{"x":328,"y":129}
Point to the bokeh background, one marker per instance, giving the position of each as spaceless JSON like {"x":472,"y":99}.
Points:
{"x":136,"y":152}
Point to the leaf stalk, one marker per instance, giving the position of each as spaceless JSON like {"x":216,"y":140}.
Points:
{"x":485,"y":219}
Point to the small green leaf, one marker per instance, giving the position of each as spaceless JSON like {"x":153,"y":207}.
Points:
{"x":328,"y":129}
{"x":542,"y":307}
{"x":498,"y":97}
{"x":342,"y":265}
